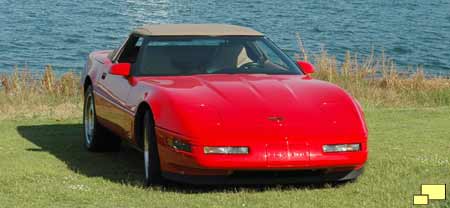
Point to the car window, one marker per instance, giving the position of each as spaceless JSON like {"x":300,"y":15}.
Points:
{"x":139,"y":42}
{"x":188,"y":42}
{"x":270,"y":55}
{"x":207,"y":55}
{"x":131,"y":50}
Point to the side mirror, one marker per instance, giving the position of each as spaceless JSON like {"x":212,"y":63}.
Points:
{"x":306,"y":67}
{"x":122,"y":69}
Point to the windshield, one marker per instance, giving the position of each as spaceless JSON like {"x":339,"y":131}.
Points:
{"x":204,"y":55}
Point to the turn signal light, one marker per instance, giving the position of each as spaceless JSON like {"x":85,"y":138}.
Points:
{"x":179,"y":145}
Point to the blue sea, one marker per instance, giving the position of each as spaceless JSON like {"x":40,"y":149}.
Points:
{"x":34,"y":33}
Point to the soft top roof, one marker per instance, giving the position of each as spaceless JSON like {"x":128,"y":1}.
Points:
{"x":195,"y":30}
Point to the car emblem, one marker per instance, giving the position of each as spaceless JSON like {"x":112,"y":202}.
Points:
{"x":275,"y":118}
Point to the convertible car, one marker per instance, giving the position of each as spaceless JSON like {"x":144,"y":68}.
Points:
{"x":214,"y":103}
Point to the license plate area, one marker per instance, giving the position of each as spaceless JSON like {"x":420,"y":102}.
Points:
{"x":287,"y":155}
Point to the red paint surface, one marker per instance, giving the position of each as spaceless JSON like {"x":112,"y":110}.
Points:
{"x":121,"y":69}
{"x":306,"y":67}
{"x":283,"y":119}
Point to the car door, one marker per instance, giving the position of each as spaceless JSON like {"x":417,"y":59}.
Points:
{"x":113,"y":107}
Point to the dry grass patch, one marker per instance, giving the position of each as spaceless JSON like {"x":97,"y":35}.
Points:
{"x":374,"y":81}
{"x":28,"y":95}
{"x":377,"y":82}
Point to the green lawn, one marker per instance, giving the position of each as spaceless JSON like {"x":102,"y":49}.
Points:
{"x":43,"y":164}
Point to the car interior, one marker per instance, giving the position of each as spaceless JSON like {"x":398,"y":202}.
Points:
{"x":166,"y":58}
{"x":161,"y":60}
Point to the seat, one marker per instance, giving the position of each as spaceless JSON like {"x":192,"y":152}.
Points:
{"x":229,"y":57}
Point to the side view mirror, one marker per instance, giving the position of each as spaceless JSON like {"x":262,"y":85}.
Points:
{"x":306,"y":67}
{"x":122,"y":69}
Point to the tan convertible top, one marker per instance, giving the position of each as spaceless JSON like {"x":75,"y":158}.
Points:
{"x":195,"y":30}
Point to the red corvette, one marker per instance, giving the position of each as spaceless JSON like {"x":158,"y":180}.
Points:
{"x":211,"y":103}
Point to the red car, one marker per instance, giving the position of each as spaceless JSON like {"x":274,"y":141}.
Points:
{"x":213,"y":103}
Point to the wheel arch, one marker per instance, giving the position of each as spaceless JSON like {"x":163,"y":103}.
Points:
{"x":87,"y":83}
{"x":138,"y":121}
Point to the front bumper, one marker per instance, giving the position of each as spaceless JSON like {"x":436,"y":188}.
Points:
{"x":267,"y":177}
{"x":277,"y":158}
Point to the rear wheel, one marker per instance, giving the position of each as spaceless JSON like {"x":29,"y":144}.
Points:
{"x":152,"y":168}
{"x":96,"y":137}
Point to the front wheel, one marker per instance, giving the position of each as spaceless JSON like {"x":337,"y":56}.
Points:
{"x":152,"y":168}
{"x":96,"y":137}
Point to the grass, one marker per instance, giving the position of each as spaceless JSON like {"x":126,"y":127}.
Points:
{"x":26,"y":95}
{"x":45,"y":165}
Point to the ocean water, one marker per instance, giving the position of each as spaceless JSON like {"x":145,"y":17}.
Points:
{"x":34,"y":33}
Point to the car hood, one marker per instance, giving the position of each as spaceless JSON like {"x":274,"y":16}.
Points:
{"x":262,"y":107}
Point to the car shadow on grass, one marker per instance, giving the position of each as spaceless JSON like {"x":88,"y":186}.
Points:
{"x":65,"y":142}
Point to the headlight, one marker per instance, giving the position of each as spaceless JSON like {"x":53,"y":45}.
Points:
{"x":225,"y":150}
{"x":341,"y":148}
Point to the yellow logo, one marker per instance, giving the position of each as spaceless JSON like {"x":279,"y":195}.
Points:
{"x":430,"y":192}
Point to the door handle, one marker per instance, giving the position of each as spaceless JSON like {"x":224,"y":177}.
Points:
{"x":104,"y":75}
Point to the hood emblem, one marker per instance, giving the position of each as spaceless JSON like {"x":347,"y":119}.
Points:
{"x":275,"y":118}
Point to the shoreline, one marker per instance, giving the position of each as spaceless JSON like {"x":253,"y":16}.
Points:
{"x":402,"y":70}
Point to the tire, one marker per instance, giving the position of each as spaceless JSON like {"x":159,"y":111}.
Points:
{"x":96,"y":137}
{"x":152,"y":168}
